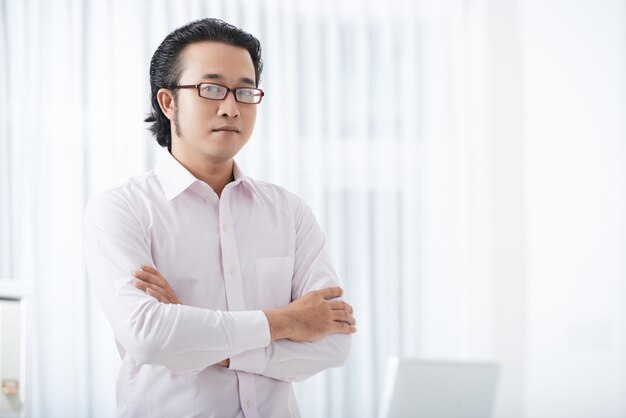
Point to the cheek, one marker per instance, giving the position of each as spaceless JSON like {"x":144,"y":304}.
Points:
{"x":251,"y":119}
{"x":193,"y":117}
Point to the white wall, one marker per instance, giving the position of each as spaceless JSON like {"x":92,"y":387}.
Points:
{"x":505,"y":148}
{"x":575,"y":192}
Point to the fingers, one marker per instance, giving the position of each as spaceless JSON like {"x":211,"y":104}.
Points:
{"x":341,"y":305}
{"x":156,"y":295}
{"x":344,"y":316}
{"x":150,"y":275}
{"x":145,"y":285}
{"x":150,"y":279}
{"x":330,"y":292}
{"x":150,"y":269}
{"x":344,"y":328}
{"x":153,"y":289}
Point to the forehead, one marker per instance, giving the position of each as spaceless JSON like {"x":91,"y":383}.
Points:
{"x":228,"y":61}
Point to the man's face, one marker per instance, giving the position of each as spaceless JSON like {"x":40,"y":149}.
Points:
{"x":213,"y":129}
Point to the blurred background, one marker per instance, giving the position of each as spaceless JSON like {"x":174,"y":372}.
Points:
{"x":466,"y":159}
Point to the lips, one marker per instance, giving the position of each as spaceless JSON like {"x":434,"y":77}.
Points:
{"x":226,"y":128}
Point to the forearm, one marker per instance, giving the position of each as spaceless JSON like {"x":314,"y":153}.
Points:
{"x":182,"y":338}
{"x":292,"y":361}
{"x":185,"y":338}
{"x":309,"y":335}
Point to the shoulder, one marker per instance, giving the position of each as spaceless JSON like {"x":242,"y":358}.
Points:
{"x":278,"y":195}
{"x":283,"y":200}
{"x":123,"y":200}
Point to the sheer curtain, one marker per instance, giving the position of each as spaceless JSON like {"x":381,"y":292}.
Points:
{"x":378,"y":113}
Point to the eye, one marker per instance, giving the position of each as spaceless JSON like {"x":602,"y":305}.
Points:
{"x":249,"y":95}
{"x":212,"y":89}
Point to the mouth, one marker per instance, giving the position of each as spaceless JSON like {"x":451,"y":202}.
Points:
{"x":226,"y":129}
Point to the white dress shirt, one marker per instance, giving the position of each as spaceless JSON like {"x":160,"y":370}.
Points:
{"x":258,"y":246}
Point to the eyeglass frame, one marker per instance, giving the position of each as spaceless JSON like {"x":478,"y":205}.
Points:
{"x":228,"y":90}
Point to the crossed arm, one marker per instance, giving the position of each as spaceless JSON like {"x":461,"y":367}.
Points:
{"x":306,"y":319}
{"x":306,"y":336}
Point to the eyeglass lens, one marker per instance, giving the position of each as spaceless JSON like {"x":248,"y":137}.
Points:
{"x":217,"y":92}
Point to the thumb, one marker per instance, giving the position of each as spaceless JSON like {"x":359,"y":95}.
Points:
{"x":331,"y":292}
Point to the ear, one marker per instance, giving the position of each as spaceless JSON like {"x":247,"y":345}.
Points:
{"x":166,"y":102}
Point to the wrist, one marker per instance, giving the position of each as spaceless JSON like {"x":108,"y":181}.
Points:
{"x":279,"y":329}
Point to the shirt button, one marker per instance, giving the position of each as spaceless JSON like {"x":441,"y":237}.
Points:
{"x":224,"y":227}
{"x":248,"y":404}
{"x":232,"y":270}
{"x":208,"y":199}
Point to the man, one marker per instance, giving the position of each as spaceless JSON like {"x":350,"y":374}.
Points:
{"x":218,"y":287}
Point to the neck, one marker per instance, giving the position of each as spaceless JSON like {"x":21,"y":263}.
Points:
{"x":217,"y":174}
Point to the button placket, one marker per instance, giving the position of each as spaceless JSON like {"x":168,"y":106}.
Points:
{"x":230,"y":259}
{"x":247,"y":395}
{"x":234,"y":295}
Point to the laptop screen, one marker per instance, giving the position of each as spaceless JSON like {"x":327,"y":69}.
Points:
{"x":438,"y":389}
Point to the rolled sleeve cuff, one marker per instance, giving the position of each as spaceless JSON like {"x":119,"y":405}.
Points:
{"x":252,"y":331}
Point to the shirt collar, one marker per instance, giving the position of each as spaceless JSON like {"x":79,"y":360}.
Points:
{"x":175,"y":178}
{"x":247,"y":181}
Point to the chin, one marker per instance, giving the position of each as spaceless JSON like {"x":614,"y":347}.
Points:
{"x":221,"y":155}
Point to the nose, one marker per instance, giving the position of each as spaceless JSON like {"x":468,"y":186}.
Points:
{"x":229,"y":106}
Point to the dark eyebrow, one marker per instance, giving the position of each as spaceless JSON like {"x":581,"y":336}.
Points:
{"x":244,"y":80}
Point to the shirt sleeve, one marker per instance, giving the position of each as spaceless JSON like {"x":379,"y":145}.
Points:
{"x":181,"y":338}
{"x":295,"y":361}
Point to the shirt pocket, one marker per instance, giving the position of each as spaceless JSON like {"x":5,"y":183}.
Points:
{"x":274,"y":275}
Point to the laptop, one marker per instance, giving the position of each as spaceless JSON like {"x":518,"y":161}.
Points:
{"x":438,"y":389}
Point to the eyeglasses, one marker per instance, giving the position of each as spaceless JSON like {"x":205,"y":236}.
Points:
{"x":218,"y":92}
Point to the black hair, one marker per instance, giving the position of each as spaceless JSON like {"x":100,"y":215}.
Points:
{"x":166,"y":65}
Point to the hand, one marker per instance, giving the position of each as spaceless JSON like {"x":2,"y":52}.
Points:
{"x":312,"y":316}
{"x":154,"y":284}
